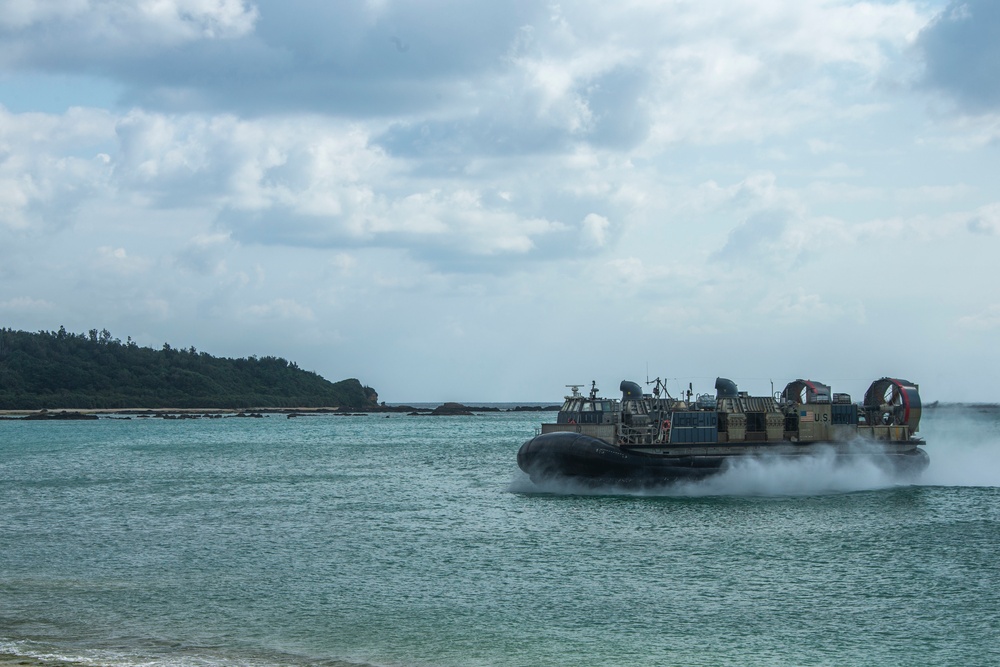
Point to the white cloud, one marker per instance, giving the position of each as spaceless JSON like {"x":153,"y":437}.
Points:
{"x":281,"y":309}
{"x":310,"y":181}
{"x":131,"y":21}
{"x":986,"y":220}
{"x":156,"y":309}
{"x":23,"y":304}
{"x":344,"y":263}
{"x":595,"y":229}
{"x":204,"y":253}
{"x":986,"y":320}
{"x":839,"y":171}
{"x":798,"y":306}
{"x":20,"y":14}
{"x":461,"y":221}
{"x":763,"y":69}
{"x":48,"y":165}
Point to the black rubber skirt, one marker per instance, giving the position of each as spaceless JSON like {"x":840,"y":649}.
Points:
{"x":581,"y":457}
{"x":594,"y":461}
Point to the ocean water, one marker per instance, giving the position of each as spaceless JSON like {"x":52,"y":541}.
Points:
{"x":416,"y":542}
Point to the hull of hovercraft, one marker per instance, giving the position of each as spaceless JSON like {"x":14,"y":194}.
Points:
{"x":591,"y":460}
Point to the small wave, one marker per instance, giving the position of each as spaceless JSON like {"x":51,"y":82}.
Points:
{"x":23,"y":653}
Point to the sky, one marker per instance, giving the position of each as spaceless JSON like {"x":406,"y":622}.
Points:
{"x":489,"y":201}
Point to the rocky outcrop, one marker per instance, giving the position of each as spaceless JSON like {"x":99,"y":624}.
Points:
{"x":62,"y":414}
{"x":450,"y":409}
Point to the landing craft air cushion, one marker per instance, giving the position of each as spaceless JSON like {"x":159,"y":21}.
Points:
{"x":646,"y":439}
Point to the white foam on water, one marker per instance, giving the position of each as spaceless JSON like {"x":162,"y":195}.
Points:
{"x":823,"y":471}
{"x":42,"y":655}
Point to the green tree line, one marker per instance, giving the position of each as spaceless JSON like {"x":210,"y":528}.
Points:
{"x":57,"y":369}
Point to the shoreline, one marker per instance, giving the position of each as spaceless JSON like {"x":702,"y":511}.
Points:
{"x":176,"y":411}
{"x":70,"y":414}
{"x":94,"y":413}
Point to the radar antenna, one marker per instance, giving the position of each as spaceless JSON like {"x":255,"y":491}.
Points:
{"x":659,"y":386}
{"x":576,"y":390}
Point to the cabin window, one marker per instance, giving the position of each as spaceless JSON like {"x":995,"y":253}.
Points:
{"x":792,"y":423}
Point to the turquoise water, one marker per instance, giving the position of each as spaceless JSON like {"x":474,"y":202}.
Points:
{"x":416,"y":541}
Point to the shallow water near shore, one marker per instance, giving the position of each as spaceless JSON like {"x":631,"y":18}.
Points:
{"x":416,"y":541}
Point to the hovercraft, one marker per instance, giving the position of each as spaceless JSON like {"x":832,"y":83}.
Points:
{"x":644,"y":439}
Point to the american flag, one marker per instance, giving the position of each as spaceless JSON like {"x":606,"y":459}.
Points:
{"x":807,"y":416}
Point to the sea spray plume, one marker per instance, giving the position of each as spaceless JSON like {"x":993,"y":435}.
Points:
{"x":825,"y":471}
{"x":966,"y":446}
{"x":965,"y":464}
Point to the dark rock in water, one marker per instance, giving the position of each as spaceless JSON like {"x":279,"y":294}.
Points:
{"x":451,"y":409}
{"x":45,"y":414}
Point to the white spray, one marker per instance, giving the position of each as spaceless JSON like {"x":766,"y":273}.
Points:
{"x":964,"y":446}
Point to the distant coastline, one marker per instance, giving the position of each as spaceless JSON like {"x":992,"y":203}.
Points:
{"x":420,"y":409}
{"x":61,"y":370}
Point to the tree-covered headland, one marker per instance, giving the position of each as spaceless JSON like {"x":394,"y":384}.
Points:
{"x":57,"y":369}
